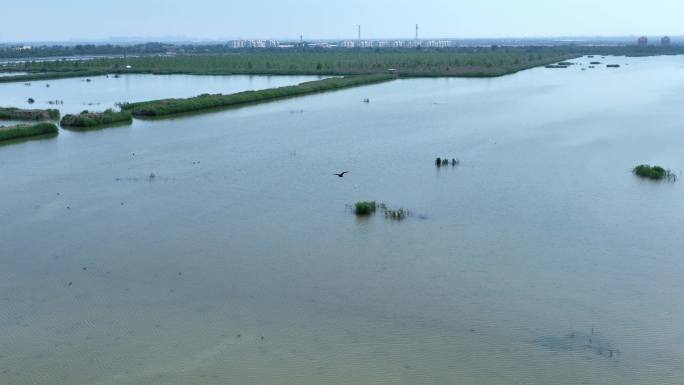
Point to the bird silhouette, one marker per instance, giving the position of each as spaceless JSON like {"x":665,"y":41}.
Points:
{"x":342,"y":174}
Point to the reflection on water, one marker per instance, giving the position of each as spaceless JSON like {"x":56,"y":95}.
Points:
{"x":11,"y":73}
{"x":239,"y":262}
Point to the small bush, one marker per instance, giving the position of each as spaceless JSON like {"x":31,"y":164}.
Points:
{"x":654,"y":172}
{"x":365,"y":208}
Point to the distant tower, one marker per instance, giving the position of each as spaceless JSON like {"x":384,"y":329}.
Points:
{"x":665,"y":41}
{"x":643,"y":41}
{"x":359,"y":39}
{"x":417,"y":44}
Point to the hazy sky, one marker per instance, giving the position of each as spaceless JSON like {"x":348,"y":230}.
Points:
{"x":215,"y":19}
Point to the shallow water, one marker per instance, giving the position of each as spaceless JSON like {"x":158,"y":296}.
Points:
{"x":11,"y":73}
{"x":103,"y":92}
{"x":239,"y":262}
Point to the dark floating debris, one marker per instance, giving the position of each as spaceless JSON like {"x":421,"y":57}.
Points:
{"x":443,"y":162}
{"x":366,"y":100}
{"x":576,"y":342}
{"x":613,"y":66}
{"x":31,"y":100}
{"x":149,"y":178}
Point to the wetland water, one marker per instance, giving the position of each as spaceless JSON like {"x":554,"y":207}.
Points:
{"x":539,"y":260}
{"x":103,"y":92}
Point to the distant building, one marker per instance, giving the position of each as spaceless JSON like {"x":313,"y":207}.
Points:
{"x":643,"y":41}
{"x":236,"y":44}
{"x":665,"y":41}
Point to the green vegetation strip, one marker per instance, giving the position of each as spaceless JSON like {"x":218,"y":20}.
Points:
{"x":460,"y":62}
{"x":463,"y":62}
{"x":37,"y":76}
{"x":88,"y":119}
{"x":23,"y":131}
{"x":202,"y":102}
{"x":11,"y":113}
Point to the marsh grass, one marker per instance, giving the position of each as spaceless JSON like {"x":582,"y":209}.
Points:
{"x":88,"y":119}
{"x":25,"y":131}
{"x":12,"y":113}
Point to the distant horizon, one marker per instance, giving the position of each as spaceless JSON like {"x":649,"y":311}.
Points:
{"x":211,"y":20}
{"x":190,"y":39}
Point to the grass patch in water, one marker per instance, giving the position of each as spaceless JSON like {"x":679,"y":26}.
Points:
{"x":365,"y":208}
{"x":12,"y":113}
{"x":654,"y":172}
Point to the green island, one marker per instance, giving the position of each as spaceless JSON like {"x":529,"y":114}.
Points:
{"x":25,"y":131}
{"x":164,"y":107}
{"x":87,"y":119}
{"x":12,"y":113}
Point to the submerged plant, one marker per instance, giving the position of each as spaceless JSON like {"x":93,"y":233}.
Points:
{"x":397,"y":215}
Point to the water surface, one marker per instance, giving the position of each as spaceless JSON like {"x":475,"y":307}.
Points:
{"x":539,"y":260}
{"x":102,"y":92}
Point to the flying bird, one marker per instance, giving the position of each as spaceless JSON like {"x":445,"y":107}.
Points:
{"x":342,"y":174}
